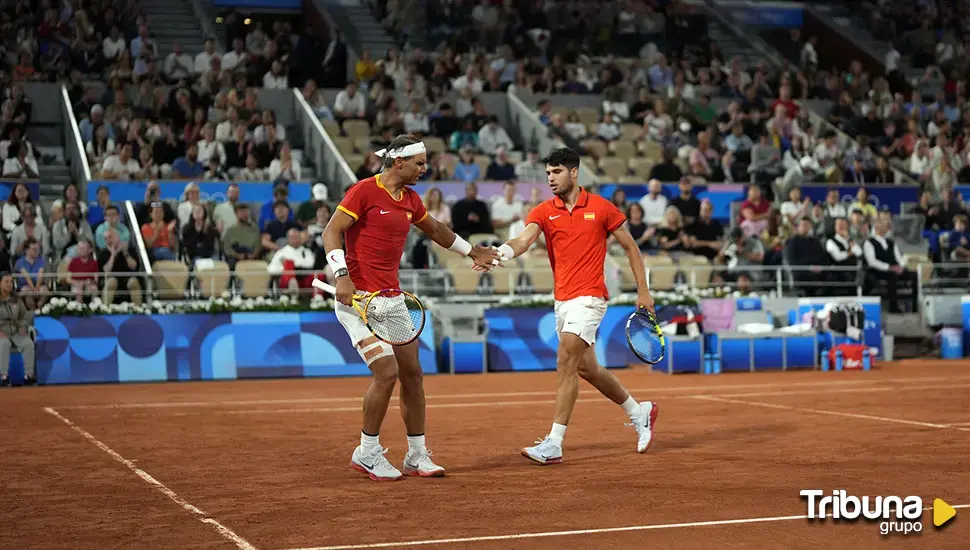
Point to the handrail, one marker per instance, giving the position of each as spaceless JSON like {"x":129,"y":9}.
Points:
{"x":136,"y":231}
{"x":80,"y":157}
{"x":205,"y":20}
{"x":343,"y":176}
{"x":540,"y":133}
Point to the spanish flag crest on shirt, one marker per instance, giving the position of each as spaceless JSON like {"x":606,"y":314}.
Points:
{"x":589,"y":216}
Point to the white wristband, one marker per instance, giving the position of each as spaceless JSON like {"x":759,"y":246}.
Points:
{"x":506,"y":251}
{"x":460,"y":246}
{"x":336,"y":260}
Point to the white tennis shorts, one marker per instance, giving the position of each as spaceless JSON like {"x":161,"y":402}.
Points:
{"x":580,"y":316}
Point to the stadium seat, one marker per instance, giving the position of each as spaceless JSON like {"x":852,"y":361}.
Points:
{"x":254,"y":278}
{"x":465,"y":279}
{"x":344,"y":145}
{"x":170,"y":278}
{"x":479,"y":238}
{"x":613,"y":168}
{"x":652,"y":150}
{"x":628,"y":282}
{"x":623,"y":149}
{"x":504,"y":279}
{"x":540,"y":273}
{"x":700,"y":267}
{"x":630,"y":132}
{"x":919,"y":263}
{"x":332,"y":127}
{"x":356,"y":128}
{"x":588,"y":115}
{"x":362,"y":146}
{"x":641,"y":167}
{"x":663,"y":272}
{"x":435,"y":145}
{"x":483,"y":161}
{"x":594,"y":148}
{"x":212,"y":280}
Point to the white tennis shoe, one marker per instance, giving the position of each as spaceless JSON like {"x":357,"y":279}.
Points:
{"x":644,"y":424}
{"x":545,"y":452}
{"x":421,"y":465}
{"x":374,"y":464}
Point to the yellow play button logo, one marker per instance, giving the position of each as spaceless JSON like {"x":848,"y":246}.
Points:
{"x":942,"y":512}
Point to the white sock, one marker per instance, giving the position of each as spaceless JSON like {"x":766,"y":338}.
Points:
{"x":557,"y":432}
{"x":416,"y":444}
{"x":368,"y":443}
{"x":631,"y":407}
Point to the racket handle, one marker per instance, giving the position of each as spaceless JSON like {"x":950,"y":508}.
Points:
{"x":317,"y":283}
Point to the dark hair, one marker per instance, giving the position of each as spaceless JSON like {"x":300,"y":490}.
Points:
{"x":564,"y":156}
{"x":112,"y":207}
{"x":12,"y":199}
{"x":278,"y":204}
{"x":399,"y":142}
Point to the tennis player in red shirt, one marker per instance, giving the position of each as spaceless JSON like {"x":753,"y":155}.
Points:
{"x":374,"y":219}
{"x":576,"y":225}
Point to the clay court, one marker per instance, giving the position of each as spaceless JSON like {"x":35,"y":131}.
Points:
{"x":265,"y":464}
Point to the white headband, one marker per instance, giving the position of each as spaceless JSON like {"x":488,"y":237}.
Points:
{"x":406,"y":151}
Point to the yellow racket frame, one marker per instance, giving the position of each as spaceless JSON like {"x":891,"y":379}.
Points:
{"x":361,"y":302}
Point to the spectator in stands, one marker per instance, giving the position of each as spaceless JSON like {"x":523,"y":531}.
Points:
{"x":827,"y":154}
{"x":11,"y":213}
{"x":864,"y":205}
{"x":505,"y":210}
{"x":641,"y":232}
{"x":765,"y":163}
{"x":465,"y":137}
{"x":263,"y":133}
{"x":20,"y":165}
{"x":274,"y":234}
{"x":667,"y":169}
{"x":686,"y":203}
{"x":159,"y":235}
{"x":805,"y":250}
{"x":416,"y":121}
{"x":83,"y":272}
{"x":283,"y":166}
{"x":178,"y":65}
{"x":92,"y":121}
{"x":844,"y":253}
{"x":29,"y":227}
{"x":191,"y":197}
{"x":188,"y":167}
{"x":121,"y":166}
{"x":69,"y":231}
{"x":654,"y":203}
{"x":349,"y":104}
{"x":885,"y":264}
{"x":743,"y":257}
{"x":444,"y":122}
{"x":307,"y":212}
{"x":755,"y":211}
{"x":31,"y":267}
{"x":470,"y":215}
{"x":292,"y":257}
{"x":467,"y":169}
{"x":119,"y":266}
{"x":492,"y":136}
{"x":795,"y":208}
{"x":112,"y":222}
{"x":434,"y":202}
{"x":96,"y":212}
{"x":671,"y":237}
{"x":609,"y":129}
{"x":143,"y":212}
{"x":268,"y":149}
{"x":957,"y":247}
{"x":314,"y":231}
{"x":209,"y":146}
{"x":706,"y":234}
{"x":199,"y":236}
{"x":530,"y":170}
{"x":500,"y":169}
{"x":241,"y":240}
{"x":16,"y":323}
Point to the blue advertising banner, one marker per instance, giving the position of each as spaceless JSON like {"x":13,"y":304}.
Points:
{"x":6,"y":186}
{"x":143,"y":348}
{"x":786,"y":15}
{"x":721,"y":195}
{"x":965,"y":314}
{"x":872,"y":332}
{"x":215,"y":191}
{"x":270,"y":4}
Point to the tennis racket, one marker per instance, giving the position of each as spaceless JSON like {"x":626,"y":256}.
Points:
{"x":645,"y":337}
{"x":392,"y":315}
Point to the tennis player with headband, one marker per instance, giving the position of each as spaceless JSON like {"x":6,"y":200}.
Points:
{"x":576,"y":225}
{"x":374,"y":218}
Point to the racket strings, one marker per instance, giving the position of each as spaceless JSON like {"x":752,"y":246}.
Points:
{"x":395,"y":317}
{"x":646,"y":338}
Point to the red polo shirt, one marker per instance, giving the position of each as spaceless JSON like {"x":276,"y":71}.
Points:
{"x":577,"y":242}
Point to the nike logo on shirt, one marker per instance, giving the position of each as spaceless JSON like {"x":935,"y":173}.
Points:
{"x":554,"y":217}
{"x":385,"y":211}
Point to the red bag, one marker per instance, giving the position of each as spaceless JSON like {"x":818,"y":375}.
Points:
{"x":851,"y":356}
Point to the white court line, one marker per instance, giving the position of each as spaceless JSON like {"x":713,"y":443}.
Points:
{"x":203,"y":517}
{"x":958,"y":424}
{"x":597,"y":400}
{"x":516,"y":536}
{"x":176,"y":404}
{"x":829,"y":413}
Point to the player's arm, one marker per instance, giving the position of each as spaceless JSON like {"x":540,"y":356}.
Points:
{"x":333,"y":236}
{"x":522,"y":243}
{"x":446,"y":238}
{"x":623,"y":236}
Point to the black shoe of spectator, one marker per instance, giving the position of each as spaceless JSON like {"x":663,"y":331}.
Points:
{"x":5,"y":382}
{"x":30,"y":381}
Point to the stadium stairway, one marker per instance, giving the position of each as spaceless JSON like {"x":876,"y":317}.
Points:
{"x":361,"y":29}
{"x":171,"y":21}
{"x":46,"y":133}
{"x":730,"y":43}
